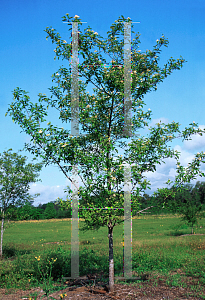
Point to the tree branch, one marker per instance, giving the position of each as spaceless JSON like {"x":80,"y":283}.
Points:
{"x":119,"y":222}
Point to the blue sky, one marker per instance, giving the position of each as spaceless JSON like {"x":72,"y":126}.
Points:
{"x":27,"y":61}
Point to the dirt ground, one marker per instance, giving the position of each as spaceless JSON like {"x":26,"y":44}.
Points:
{"x":84,"y":289}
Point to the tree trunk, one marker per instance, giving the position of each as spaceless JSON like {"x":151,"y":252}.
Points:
{"x":110,"y":226}
{"x":2,"y":232}
{"x":192,"y":230}
{"x":111,"y":259}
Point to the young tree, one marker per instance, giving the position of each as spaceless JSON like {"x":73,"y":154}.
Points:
{"x":185,"y":201}
{"x":191,"y":208}
{"x":14,"y":179}
{"x":102,"y":118}
{"x":188,"y":204}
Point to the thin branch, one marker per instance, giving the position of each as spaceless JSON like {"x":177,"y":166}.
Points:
{"x":53,"y":158}
{"x":145,"y":209}
{"x":119,"y":222}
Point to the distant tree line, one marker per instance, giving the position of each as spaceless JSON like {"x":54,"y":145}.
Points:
{"x":188,"y":195}
{"x":43,"y":211}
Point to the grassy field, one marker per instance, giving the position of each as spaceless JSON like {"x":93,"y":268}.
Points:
{"x":158,"y":249}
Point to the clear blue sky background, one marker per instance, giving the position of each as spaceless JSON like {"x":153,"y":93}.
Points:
{"x":27,"y":61}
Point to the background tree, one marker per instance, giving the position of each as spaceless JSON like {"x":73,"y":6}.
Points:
{"x":102,"y":118}
{"x":36,"y":213}
{"x":200,"y":187}
{"x":25,"y":211}
{"x":145,"y":200}
{"x":11,"y":213}
{"x":50,"y":211}
{"x":14,"y":179}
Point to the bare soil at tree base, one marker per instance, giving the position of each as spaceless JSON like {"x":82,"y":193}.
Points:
{"x":80,"y":289}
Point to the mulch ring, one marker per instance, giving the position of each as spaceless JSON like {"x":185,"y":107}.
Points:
{"x":83,"y":289}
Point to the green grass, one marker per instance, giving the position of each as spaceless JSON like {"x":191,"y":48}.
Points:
{"x":157,"y":248}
